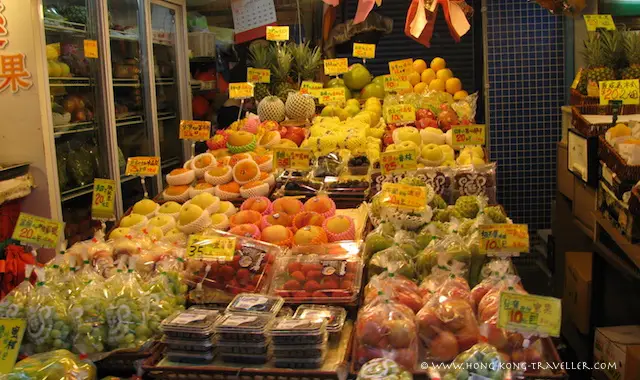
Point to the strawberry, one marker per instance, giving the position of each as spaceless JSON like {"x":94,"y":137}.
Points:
{"x":309,"y":267}
{"x":267,"y":269}
{"x":255,"y":279}
{"x":311,"y":286}
{"x":346,"y":284}
{"x":298,"y":276}
{"x":341,"y":294}
{"x":214,"y":267}
{"x":282,"y":293}
{"x":314,"y":275}
{"x":319,"y":294}
{"x":235,"y":263}
{"x":300,"y":294}
{"x":294,"y":267}
{"x":243,"y":275}
{"x":227,"y":272}
{"x":329,"y":284}
{"x":292,"y":285}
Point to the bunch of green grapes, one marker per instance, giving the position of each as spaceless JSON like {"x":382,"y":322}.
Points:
{"x":88,"y":313}
{"x":162,"y":301}
{"x":127,"y":313}
{"x":49,"y":326}
{"x":14,"y":305}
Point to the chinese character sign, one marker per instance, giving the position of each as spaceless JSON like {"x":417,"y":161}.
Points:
{"x":330,"y":95}
{"x":530,"y":313}
{"x":195,"y":130}
{"x":143,"y":166}
{"x":365,"y":51}
{"x":462,"y":135}
{"x":392,"y":83}
{"x":307,"y":87}
{"x":31,"y":229}
{"x":404,"y":196}
{"x":102,"y":203}
{"x":242,"y":90}
{"x":258,"y":75}
{"x":401,"y":69}
{"x":11,"y":333}
{"x":13,"y":73}
{"x":398,"y":161}
{"x":277,"y":33}
{"x":4,"y":32}
{"x":400,"y":114}
{"x":626,"y":90}
{"x":593,"y":22}
{"x":337,"y":66}
{"x":211,"y":247}
{"x":292,"y":158}
{"x":504,"y":238}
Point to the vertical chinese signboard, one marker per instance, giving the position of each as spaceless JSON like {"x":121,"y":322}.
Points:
{"x":13,"y":66}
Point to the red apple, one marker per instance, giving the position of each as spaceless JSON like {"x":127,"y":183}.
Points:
{"x":424,"y":113}
{"x":283,"y":132}
{"x":444,"y":346}
{"x":295,"y":134}
{"x":465,"y":121}
{"x":447,"y":119}
{"x":399,"y":333}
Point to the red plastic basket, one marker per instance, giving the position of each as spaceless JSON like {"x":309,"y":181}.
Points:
{"x":9,"y":212}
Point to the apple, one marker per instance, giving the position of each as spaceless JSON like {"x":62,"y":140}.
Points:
{"x":432,"y":154}
{"x":423,"y":113}
{"x":295,"y":134}
{"x":189,"y":214}
{"x":119,"y":232}
{"x":144,"y":207}
{"x":407,"y":134}
{"x":309,"y":234}
{"x":132,"y":220}
{"x":204,"y":200}
{"x":443,"y":346}
{"x":170,"y":207}
{"x":160,"y":220}
{"x":447,"y":119}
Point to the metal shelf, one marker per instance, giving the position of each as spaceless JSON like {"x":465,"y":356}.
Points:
{"x":129,"y":120}
{"x":70,"y":82}
{"x":165,"y":81}
{"x":62,"y":26}
{"x":77,"y":192}
{"x":166,"y":116}
{"x":126,"y":82}
{"x":117,"y":35}
{"x":73,"y":128}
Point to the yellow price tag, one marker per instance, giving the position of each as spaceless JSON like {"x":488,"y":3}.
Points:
{"x":576,"y":80}
{"x":330,"y":95}
{"x":504,"y":239}
{"x":195,"y":130}
{"x":472,"y":134}
{"x":365,"y":51}
{"x":401,"y":114}
{"x":530,"y":313}
{"x":401,"y":69}
{"x":242,"y":90}
{"x":398,"y":161}
{"x":627,"y":90}
{"x":292,"y":158}
{"x":90,"y":49}
{"x":31,"y":229}
{"x":337,"y":66}
{"x":143,"y":166}
{"x":211,"y":247}
{"x":594,"y":22}
{"x":10,"y":341}
{"x":258,"y":75}
{"x":307,"y":86}
{"x":277,"y":33}
{"x":102,"y":202}
{"x":393,"y":84}
{"x":404,"y":196}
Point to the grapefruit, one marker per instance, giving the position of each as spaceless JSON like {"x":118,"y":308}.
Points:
{"x":438,"y":64}
{"x":444,"y":74}
{"x":453,"y":85}
{"x":428,"y":75}
{"x":419,"y":66}
{"x":460,"y":95}
{"x":437,"y":85}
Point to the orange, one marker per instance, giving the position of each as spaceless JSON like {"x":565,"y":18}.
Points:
{"x":444,"y":74}
{"x":438,"y":64}
{"x":428,"y":75}
{"x":414,"y":78}
{"x":460,"y":95}
{"x":437,"y":85}
{"x":419,"y":88}
{"x":453,"y":85}
{"x":419,"y":65}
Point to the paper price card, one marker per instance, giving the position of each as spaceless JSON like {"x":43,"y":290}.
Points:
{"x":337,"y":66}
{"x":143,"y":166}
{"x":90,"y":49}
{"x":529,"y":313}
{"x":258,"y":75}
{"x":102,"y":202}
{"x":31,"y":229}
{"x":504,"y":238}
{"x":401,"y":113}
{"x":576,"y":80}
{"x":307,"y":86}
{"x":626,"y":90}
{"x":277,"y":33}
{"x":401,"y":69}
{"x":393,"y":84}
{"x":242,"y":90}
{"x":292,"y":158}
{"x":211,"y":247}
{"x":594,"y":22}
{"x":467,"y":135}
{"x":11,"y":334}
{"x":365,"y":51}
{"x":404,"y":196}
{"x":195,"y":130}
{"x":330,"y":95}
{"x":398,"y":161}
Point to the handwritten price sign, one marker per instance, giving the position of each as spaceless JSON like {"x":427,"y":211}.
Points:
{"x":12,"y":332}
{"x":277,"y":33}
{"x":195,"y":130}
{"x":143,"y":166}
{"x":594,"y":22}
{"x":404,"y":196}
{"x":504,"y":239}
{"x":330,"y":95}
{"x":365,"y":51}
{"x":258,"y":75}
{"x":211,"y":247}
{"x":102,"y":201}
{"x":401,"y":69}
{"x":398,"y":161}
{"x":337,"y":66}
{"x":292,"y":158}
{"x":307,"y":87}
{"x":90,"y":48}
{"x":626,"y":90}
{"x":393,"y":84}
{"x":242,"y":90}
{"x":529,"y":313}
{"x":467,"y":135}
{"x":31,"y":229}
{"x":401,"y":113}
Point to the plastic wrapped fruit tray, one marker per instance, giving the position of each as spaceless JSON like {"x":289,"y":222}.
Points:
{"x":244,"y":328}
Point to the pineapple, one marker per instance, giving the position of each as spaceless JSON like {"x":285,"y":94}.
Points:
{"x":271,"y":108}
{"x":260,"y":59}
{"x":299,"y":106}
{"x":632,"y":54}
{"x":281,"y":70}
{"x":601,"y":51}
{"x":306,"y":61}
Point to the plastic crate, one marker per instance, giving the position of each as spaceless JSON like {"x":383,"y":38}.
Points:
{"x":202,"y":44}
{"x":9,"y":212}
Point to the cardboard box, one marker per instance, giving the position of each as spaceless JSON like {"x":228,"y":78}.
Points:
{"x":584,"y":205}
{"x":565,"y":177}
{"x":619,"y":345}
{"x":577,"y":289}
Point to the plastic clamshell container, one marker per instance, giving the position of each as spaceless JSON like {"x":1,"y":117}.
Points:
{"x":244,"y":327}
{"x":190,"y":344}
{"x":245,"y":359}
{"x":291,"y":331}
{"x":198,"y":324}
{"x":339,"y":248}
{"x":326,"y":279}
{"x":250,"y":271}
{"x":286,"y":311}
{"x":299,"y":363}
{"x":335,"y":316}
{"x":250,"y":348}
{"x":256,"y":303}
{"x":300,"y":351}
{"x":190,"y":357}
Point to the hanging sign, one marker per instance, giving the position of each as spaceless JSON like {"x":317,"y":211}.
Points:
{"x":102,"y":202}
{"x":292,"y":158}
{"x":211,"y":247}
{"x":401,"y":114}
{"x":398,"y":161}
{"x":391,"y":83}
{"x":401,"y":69}
{"x":277,"y":33}
{"x":330,"y":95}
{"x":364,"y":51}
{"x":530,"y":314}
{"x":307,"y":86}
{"x":594,"y":22}
{"x":242,"y":90}
{"x":90,"y":49}
{"x":31,"y":229}
{"x":143,"y":166}
{"x":462,"y":135}
{"x":505,"y":238}
{"x":195,"y":130}
{"x":258,"y":75}
{"x":337,"y":66}
{"x":404,"y":196}
{"x":627,"y":90}
{"x":11,"y":334}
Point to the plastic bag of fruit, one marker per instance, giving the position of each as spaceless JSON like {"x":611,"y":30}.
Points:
{"x":53,"y":365}
{"x":386,"y":329}
{"x":393,"y":259}
{"x":447,"y":324}
{"x":162,"y":300}
{"x":394,"y":287}
{"x":379,"y":239}
{"x":217,"y":279}
{"x":382,"y":368}
{"x":87,"y":312}
{"x":497,"y":267}
{"x":480,"y":361}
{"x":449,"y":253}
{"x":127,"y":309}
{"x":14,"y":304}
{"x":49,"y":325}
{"x":445,"y":282}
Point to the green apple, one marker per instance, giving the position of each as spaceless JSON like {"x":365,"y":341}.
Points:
{"x":204,"y":200}
{"x":432,"y":136}
{"x":372,"y":90}
{"x":357,"y":77}
{"x":170,"y":207}
{"x":379,"y":80}
{"x":329,"y":111}
{"x":144,"y":207}
{"x":342,"y":114}
{"x":189,"y":214}
{"x":407,"y":134}
{"x":353,"y":102}
{"x":433,"y":154}
{"x":449,"y":154}
{"x":335,"y":82}
{"x":352,"y":110}
{"x":132,"y":220}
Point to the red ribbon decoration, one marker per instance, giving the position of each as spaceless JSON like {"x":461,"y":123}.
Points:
{"x":421,"y":22}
